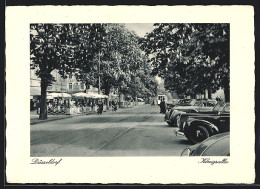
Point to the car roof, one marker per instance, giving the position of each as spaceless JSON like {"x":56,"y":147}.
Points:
{"x":202,"y":147}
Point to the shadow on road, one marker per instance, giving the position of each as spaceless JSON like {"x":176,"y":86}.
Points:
{"x":184,"y":141}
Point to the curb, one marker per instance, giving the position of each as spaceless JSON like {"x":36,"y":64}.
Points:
{"x":55,"y":119}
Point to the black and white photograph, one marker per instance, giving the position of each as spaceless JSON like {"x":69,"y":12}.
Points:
{"x":107,"y":89}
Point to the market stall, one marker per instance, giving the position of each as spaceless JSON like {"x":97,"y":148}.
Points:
{"x":96,"y":97}
{"x":80,"y":103}
{"x":58,"y":103}
{"x":35,"y":95}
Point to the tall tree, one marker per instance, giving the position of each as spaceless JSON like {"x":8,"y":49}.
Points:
{"x":190,"y":57}
{"x":92,"y":43}
{"x":89,"y":51}
{"x":52,"y":46}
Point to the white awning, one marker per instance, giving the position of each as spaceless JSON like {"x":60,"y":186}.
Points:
{"x":81,"y":95}
{"x":96,"y":95}
{"x":89,"y":95}
{"x":59,"y":95}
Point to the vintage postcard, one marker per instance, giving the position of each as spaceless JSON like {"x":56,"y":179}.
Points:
{"x":130,"y":94}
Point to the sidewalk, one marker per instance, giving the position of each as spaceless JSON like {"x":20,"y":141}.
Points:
{"x":34,"y":117}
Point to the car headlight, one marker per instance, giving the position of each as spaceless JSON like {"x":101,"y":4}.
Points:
{"x":174,"y":113}
{"x":186,"y":152}
{"x":182,"y":125}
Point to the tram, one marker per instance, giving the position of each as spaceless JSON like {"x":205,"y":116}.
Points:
{"x":160,"y":98}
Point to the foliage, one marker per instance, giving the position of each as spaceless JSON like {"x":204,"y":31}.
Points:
{"x":190,"y":57}
{"x":90,"y":51}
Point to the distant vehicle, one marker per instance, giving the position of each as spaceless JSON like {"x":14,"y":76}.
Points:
{"x":179,"y":103}
{"x":201,"y":105}
{"x":175,"y":102}
{"x":217,"y":145}
{"x":140,"y":100}
{"x":160,"y":98}
{"x":199,"y":126}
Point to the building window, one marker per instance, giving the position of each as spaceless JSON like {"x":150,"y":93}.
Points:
{"x":70,"y":76}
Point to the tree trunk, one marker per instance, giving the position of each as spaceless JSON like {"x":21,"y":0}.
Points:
{"x":119,"y":103}
{"x":43,"y":102}
{"x":227,"y":91}
{"x":209,"y":94}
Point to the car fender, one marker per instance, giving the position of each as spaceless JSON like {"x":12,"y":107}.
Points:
{"x":192,"y":111}
{"x":213,"y":129}
{"x":174,"y":114}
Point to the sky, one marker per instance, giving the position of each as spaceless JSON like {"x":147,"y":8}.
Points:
{"x":140,"y":28}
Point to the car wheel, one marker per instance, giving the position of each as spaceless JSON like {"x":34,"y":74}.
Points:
{"x":170,"y":124}
{"x":177,"y":121}
{"x":198,"y":134}
{"x":187,"y":135}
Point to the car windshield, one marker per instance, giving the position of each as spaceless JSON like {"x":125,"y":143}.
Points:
{"x":219,"y":107}
{"x":198,"y":103}
{"x":186,"y":102}
{"x":227,"y":108}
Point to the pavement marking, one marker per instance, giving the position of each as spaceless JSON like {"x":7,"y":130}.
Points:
{"x":71,"y":130}
{"x":119,"y":135}
{"x":107,"y":143}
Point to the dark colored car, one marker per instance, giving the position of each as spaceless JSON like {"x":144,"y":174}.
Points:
{"x":181,"y":102}
{"x":199,"y":126}
{"x":175,"y":102}
{"x":172,"y":117}
{"x":217,"y":145}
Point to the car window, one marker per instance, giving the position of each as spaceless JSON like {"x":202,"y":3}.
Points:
{"x":186,"y":102}
{"x":220,"y":148}
{"x":219,"y":106}
{"x":210,"y":104}
{"x":198,"y":103}
{"x":227,"y":108}
{"x":192,"y":102}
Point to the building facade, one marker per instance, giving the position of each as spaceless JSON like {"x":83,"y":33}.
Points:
{"x":69,"y":85}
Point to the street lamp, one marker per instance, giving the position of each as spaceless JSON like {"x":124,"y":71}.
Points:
{"x":98,"y":72}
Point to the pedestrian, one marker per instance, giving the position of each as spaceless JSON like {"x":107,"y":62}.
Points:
{"x":100,"y":107}
{"x":114,"y":106}
{"x":38,"y":107}
{"x":31,"y":104}
{"x":153,"y":102}
{"x":162,"y":107}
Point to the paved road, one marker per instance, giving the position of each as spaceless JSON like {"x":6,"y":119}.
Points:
{"x":138,"y":131}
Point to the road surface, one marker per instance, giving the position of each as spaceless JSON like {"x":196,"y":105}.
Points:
{"x":137,"y":131}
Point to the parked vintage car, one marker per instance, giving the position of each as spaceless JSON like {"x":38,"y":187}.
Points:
{"x":217,"y":145}
{"x":179,"y":103}
{"x":199,"y":126}
{"x":201,"y":105}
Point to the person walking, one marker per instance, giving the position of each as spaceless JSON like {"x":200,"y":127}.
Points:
{"x":153,"y":102}
{"x":38,"y":107}
{"x":114,"y":106}
{"x":162,"y":107}
{"x":100,"y":107}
